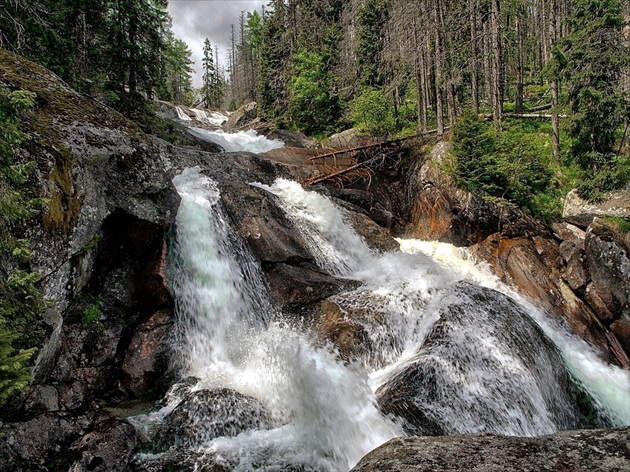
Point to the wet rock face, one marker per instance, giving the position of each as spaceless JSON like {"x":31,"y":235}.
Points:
{"x":580,"y":276}
{"x":577,"y":451}
{"x":443,"y":390}
{"x":207,"y":414}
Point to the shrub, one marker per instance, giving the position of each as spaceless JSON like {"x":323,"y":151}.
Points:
{"x":372,"y":112}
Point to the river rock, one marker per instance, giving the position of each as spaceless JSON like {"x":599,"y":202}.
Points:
{"x":581,"y":213}
{"x":242,"y":116}
{"x":107,"y":448}
{"x":204,"y":415}
{"x":575,"y":451}
{"x":295,"y":286}
{"x":443,"y":389}
{"x":293,"y":139}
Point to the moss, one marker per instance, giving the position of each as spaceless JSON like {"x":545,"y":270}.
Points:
{"x":64,"y":204}
{"x":58,"y":107}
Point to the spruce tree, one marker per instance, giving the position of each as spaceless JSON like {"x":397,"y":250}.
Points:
{"x":592,"y":59}
{"x":20,"y":302}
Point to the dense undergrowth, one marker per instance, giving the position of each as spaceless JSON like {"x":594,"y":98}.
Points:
{"x":516,"y":164}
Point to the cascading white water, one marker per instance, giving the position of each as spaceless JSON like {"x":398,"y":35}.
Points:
{"x":181,"y":115}
{"x":608,"y":384}
{"x":212,"y":117}
{"x":249,"y":141}
{"x":401,"y":285}
{"x":325,"y":409}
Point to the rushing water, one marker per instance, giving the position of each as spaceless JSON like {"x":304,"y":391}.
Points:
{"x":428,"y":318}
{"x":249,"y":141}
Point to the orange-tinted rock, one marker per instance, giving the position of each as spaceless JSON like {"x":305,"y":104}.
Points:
{"x":518,"y":263}
{"x":621,"y":329}
{"x":145,"y":359}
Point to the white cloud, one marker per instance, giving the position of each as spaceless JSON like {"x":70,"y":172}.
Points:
{"x":193,"y":21}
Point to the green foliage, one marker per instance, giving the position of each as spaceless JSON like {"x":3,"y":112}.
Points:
{"x":313,"y":105}
{"x":20,"y":302}
{"x":615,"y":174}
{"x":622,"y":224}
{"x":371,"y":21}
{"x":372,"y":112}
{"x":91,"y":316}
{"x":591,"y":60}
{"x":513,"y":164}
{"x":178,"y":84}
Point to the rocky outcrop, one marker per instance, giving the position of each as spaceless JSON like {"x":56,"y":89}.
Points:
{"x":575,"y":451}
{"x":441,"y":211}
{"x":581,"y":213}
{"x":556,"y":269}
{"x":242,"y":116}
{"x":580,"y":276}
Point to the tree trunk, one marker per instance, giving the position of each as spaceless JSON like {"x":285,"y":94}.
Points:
{"x":519,"y":65}
{"x":473,"y":55}
{"x":497,"y":92}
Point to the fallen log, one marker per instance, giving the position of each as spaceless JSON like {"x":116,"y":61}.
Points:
{"x":368,"y":146}
{"x":321,"y":178}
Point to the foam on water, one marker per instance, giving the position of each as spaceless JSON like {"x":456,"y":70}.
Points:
{"x":248,"y":141}
{"x":326,"y":409}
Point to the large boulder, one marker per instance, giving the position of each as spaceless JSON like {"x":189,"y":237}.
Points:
{"x":348,"y":139}
{"x":477,"y":372}
{"x":581,"y":213}
{"x":204,"y":415}
{"x":242,"y":116}
{"x":575,"y":451}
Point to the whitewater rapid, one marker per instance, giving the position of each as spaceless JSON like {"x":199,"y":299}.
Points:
{"x":231,"y":336}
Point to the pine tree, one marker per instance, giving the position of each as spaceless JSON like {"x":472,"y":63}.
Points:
{"x":178,"y":85}
{"x":20,"y":302}
{"x":209,"y":75}
{"x":592,"y":59}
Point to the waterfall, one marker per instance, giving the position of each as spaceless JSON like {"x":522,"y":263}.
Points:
{"x":448,"y":347}
{"x":248,"y":141}
{"x":181,"y":115}
{"x":327,"y":413}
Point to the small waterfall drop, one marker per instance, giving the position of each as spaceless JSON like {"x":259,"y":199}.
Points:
{"x":181,"y":115}
{"x":403,"y":285}
{"x":326,"y":413}
{"x":248,"y":141}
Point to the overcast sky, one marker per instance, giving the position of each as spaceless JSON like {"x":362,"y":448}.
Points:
{"x":195,"y":20}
